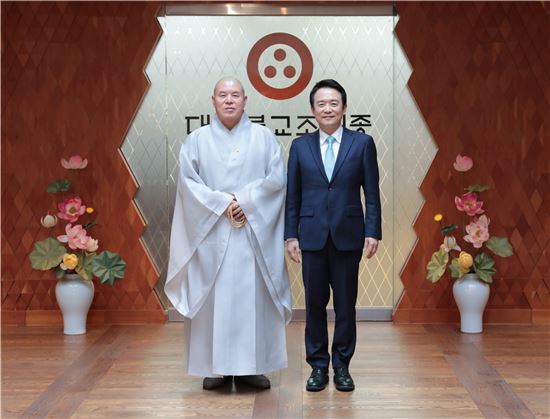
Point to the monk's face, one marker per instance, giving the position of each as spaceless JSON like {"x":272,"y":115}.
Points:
{"x":229,"y":101}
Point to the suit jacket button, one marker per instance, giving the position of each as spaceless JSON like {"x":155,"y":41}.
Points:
{"x":330,"y":189}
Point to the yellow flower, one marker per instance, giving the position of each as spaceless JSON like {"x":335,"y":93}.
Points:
{"x":465,"y":260}
{"x":438,"y":217}
{"x":70,"y":260}
{"x":89,"y":210}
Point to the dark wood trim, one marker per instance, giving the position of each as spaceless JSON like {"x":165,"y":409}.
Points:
{"x":541,"y":316}
{"x":95,"y":317}
{"x":449,"y":315}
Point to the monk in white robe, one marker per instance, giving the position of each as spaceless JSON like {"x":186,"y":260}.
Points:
{"x":226,"y":272}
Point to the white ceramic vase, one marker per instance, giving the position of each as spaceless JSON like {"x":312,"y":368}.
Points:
{"x":74,"y":296}
{"x":471,"y":295}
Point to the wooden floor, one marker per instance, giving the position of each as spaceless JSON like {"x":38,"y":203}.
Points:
{"x":400,"y":371}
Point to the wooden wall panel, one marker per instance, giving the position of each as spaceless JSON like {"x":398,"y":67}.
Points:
{"x":481,"y":78}
{"x":72,"y":78}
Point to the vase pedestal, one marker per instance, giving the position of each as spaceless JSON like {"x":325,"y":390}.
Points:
{"x":74,"y":297}
{"x":471,"y":295}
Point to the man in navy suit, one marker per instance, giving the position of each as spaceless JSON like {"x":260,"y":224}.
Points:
{"x":326,"y":229}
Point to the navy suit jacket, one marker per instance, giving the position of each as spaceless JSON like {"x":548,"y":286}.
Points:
{"x":316,"y":205}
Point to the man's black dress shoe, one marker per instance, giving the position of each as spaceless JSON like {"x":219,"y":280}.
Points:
{"x":343,"y":380}
{"x":317,"y":380}
{"x":212,"y":383}
{"x":257,"y":381}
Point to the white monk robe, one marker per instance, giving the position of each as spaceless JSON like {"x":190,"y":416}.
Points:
{"x":231,"y":284}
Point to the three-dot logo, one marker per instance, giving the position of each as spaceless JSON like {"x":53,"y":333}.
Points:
{"x":271,"y":60}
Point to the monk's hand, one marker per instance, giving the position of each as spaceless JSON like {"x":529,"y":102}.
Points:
{"x":370,"y":247}
{"x":293,"y":250}
{"x":237,"y":211}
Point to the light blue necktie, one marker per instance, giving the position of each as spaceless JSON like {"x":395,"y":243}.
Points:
{"x":329,"y":158}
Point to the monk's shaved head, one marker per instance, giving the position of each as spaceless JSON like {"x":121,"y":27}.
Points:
{"x":229,"y":80}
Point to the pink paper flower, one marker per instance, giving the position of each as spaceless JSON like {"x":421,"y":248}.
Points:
{"x":74,"y":162}
{"x":469,"y":204}
{"x":76,"y":237}
{"x":70,"y":209}
{"x":463,"y":163}
{"x":478,"y":231}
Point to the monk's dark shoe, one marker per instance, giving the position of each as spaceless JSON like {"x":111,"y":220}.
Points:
{"x":318,"y":379}
{"x":260,"y":382}
{"x":343,"y":380}
{"x":212,"y":383}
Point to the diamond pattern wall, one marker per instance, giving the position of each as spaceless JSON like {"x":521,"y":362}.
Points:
{"x":72,"y":77}
{"x":481,"y":80}
{"x":414,"y":152}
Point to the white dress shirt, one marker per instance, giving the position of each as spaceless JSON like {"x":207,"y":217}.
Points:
{"x":337,"y":135}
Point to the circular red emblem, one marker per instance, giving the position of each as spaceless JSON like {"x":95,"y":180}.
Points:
{"x":253,"y":61}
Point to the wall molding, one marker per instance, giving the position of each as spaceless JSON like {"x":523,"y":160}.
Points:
{"x":375,"y":314}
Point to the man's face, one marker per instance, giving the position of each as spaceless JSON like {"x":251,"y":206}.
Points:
{"x":328,"y":109}
{"x":229,"y":101}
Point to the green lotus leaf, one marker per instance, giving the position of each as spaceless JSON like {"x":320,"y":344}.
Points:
{"x":47,"y":254}
{"x":500,"y":246}
{"x":436,"y":266}
{"x":108,"y":267}
{"x":60,"y":185}
{"x":484,"y":266}
{"x":448,"y":229}
{"x":477,"y":188}
{"x":85,"y":265}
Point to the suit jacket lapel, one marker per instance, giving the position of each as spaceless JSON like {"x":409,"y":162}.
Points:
{"x":345,"y":145}
{"x":315,"y":147}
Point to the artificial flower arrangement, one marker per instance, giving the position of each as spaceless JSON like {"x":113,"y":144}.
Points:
{"x":476,"y":236}
{"x":81,"y":256}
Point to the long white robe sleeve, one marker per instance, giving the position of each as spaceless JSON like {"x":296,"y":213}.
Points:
{"x":196,"y":211}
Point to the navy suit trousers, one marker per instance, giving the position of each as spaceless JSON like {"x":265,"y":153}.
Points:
{"x":325,"y":269}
